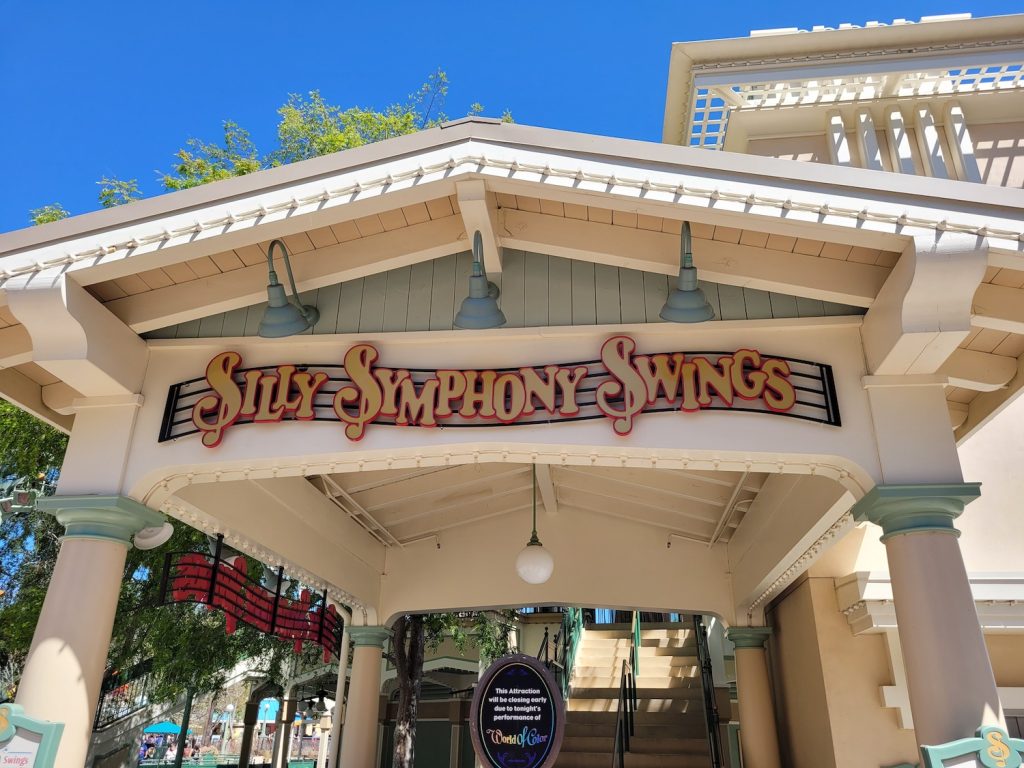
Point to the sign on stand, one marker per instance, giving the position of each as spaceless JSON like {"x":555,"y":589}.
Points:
{"x":517,"y":718}
{"x":26,"y":742}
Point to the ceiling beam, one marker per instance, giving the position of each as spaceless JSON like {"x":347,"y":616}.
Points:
{"x":998,"y":307}
{"x":547,"y":489}
{"x":480,"y":214}
{"x":729,"y":263}
{"x":313,"y":269}
{"x":18,"y":389}
{"x":15,"y":346}
{"x":980,"y":371}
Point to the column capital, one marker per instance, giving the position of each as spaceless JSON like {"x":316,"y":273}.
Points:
{"x":900,"y":509}
{"x":748,"y":637}
{"x":364,"y":636}
{"x":109,"y":518}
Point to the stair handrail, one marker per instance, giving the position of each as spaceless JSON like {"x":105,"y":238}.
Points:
{"x":635,"y":647}
{"x":565,"y":651}
{"x":707,"y":684}
{"x":625,"y":716}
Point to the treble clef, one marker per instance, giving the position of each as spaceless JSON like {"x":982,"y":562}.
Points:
{"x":998,"y":749}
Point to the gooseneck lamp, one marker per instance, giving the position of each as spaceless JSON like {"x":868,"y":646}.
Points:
{"x":534,"y":564}
{"x":480,"y":308}
{"x":686,"y":302}
{"x":284,"y":316}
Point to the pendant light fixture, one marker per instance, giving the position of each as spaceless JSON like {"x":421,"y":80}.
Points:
{"x":480,"y":308}
{"x":284,"y":316}
{"x":534,"y":563}
{"x":686,"y":302}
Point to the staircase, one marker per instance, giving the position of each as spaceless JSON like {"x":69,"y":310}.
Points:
{"x":670,"y":730}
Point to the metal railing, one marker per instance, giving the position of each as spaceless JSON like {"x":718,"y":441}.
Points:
{"x":625,"y":718}
{"x":223,"y":583}
{"x":123,"y":694}
{"x":565,"y":652}
{"x":707,"y":685}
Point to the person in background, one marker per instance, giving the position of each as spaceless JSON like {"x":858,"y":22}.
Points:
{"x":172,"y":752}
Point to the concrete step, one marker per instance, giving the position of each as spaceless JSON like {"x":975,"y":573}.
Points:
{"x":652,"y":670}
{"x":641,"y":744}
{"x":676,"y":704}
{"x":645,"y":653}
{"x":644,"y":719}
{"x":647,"y":683}
{"x":681,"y":726}
{"x":591,"y":641}
{"x":690,"y":689}
{"x":633,"y":760}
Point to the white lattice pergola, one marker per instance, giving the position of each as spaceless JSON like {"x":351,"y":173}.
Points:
{"x":718,"y":88}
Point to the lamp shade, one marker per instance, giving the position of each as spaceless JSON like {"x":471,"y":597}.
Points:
{"x":282,"y":317}
{"x":535,"y":564}
{"x":686,"y":302}
{"x":480,"y":308}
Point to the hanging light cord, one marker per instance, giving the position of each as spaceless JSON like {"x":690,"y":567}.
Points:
{"x":534,"y":541}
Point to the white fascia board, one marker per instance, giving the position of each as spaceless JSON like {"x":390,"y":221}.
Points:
{"x":740,"y":74}
{"x":613,"y":171}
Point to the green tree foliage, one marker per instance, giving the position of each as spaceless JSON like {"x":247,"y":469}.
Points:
{"x":48,"y":213}
{"x":114,"y":192}
{"x":200,"y":162}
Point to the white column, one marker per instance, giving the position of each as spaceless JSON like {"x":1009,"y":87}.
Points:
{"x":62,"y":675}
{"x":325,"y":733}
{"x":359,"y":745}
{"x":838,"y":145}
{"x":929,"y":142}
{"x":759,"y":737}
{"x":899,"y":142}
{"x":949,"y":675}
{"x":961,"y":147}
{"x":867,"y":141}
{"x":338,"y":717}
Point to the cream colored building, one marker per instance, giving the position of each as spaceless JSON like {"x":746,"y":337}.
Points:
{"x":855,"y":201}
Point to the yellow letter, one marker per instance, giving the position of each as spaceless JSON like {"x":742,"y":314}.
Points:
{"x":751,"y":385}
{"x":227,"y":401}
{"x":784,"y":397}
{"x":626,"y":385}
{"x":364,"y":391}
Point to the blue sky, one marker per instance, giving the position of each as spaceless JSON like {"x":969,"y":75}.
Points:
{"x":114,"y":88}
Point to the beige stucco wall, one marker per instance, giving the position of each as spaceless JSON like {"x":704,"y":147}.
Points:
{"x":828,"y":681}
{"x":992,"y":525}
{"x":811,"y":148}
{"x":1006,"y":651}
{"x":805,"y":734}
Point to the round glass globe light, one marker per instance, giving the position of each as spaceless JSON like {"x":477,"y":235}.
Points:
{"x":534,"y":564}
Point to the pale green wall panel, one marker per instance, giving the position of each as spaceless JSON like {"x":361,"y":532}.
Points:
{"x":607,"y":301}
{"x":536,"y":290}
{"x":396,"y":299}
{"x":421,"y":278}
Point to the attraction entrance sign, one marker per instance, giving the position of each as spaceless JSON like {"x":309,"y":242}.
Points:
{"x":619,"y":386}
{"x":517,"y":718}
{"x":26,"y":742}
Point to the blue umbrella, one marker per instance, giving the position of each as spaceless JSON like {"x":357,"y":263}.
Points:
{"x":166,"y":727}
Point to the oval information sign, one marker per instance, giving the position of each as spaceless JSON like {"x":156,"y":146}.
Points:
{"x":517,"y":718}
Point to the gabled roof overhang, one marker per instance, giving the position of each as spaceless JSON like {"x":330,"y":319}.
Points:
{"x":841,"y":204}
